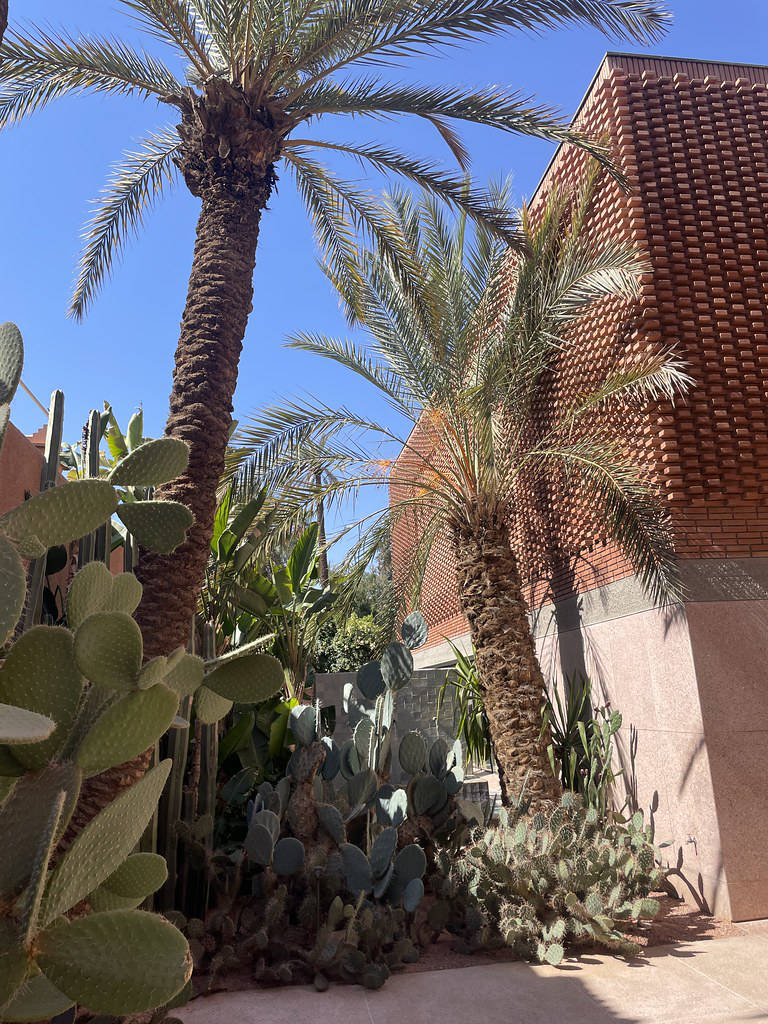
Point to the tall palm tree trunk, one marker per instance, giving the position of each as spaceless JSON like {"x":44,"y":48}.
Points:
{"x":212,"y":328}
{"x":219,"y":301}
{"x":513,"y":686}
{"x":3,"y":18}
{"x":228,"y":161}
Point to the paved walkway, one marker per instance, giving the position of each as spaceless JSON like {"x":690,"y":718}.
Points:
{"x":715,"y":981}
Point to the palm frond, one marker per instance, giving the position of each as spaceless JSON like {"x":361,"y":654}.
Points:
{"x":649,"y":378}
{"x":134,"y":187}
{"x":454,"y":189}
{"x":347,"y":354}
{"x":388,"y":30}
{"x":173,"y":21}
{"x":629,"y":505}
{"x":339,"y":209}
{"x":494,"y":107}
{"x":39,"y":67}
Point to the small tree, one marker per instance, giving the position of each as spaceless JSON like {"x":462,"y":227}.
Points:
{"x":461,"y":353}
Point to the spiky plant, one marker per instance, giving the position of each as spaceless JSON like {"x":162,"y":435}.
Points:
{"x":252,"y":76}
{"x":461,"y":357}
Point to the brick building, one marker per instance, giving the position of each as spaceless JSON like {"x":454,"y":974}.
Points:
{"x":691,"y":680}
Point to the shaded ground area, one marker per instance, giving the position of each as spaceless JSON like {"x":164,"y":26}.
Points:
{"x":700,"y":982}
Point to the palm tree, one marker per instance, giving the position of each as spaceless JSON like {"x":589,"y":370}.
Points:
{"x":3,"y":18}
{"x":463,"y":358}
{"x":252,"y":76}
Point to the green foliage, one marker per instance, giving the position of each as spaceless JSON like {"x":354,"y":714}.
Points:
{"x":289,"y":602}
{"x":581,"y":752}
{"x":542,"y":883}
{"x":346,"y":645}
{"x":470,"y":722}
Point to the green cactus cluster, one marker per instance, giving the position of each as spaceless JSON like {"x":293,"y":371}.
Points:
{"x":329,"y":881}
{"x":540,"y":884}
{"x":75,"y":700}
{"x":79,"y":701}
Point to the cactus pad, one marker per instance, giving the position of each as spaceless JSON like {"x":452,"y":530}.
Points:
{"x":138,"y":876}
{"x":11,"y":360}
{"x":382,"y":851}
{"x":413,"y":753}
{"x":40,"y":675}
{"x":122,"y":961}
{"x":185,"y":674}
{"x":210,"y":707}
{"x":259,"y":845}
{"x":413,"y":895}
{"x":13,"y":588}
{"x":331,"y":820}
{"x":17,"y":725}
{"x":396,"y":666}
{"x":104,"y":844}
{"x":127,"y":728}
{"x":410,"y":863}
{"x":247,"y":680}
{"x":37,"y":1000}
{"x":357,"y":868}
{"x":160,"y":526}
{"x":152,"y":463}
{"x":25,"y":815}
{"x":288,"y":858}
{"x":438,"y":758}
{"x":414,"y":630}
{"x":391,"y":805}
{"x":370,"y":681}
{"x":14,"y":961}
{"x":303,"y":724}
{"x":109,"y":649}
{"x":95,"y":589}
{"x":152,"y":672}
{"x":332,"y":762}
{"x":62,"y":514}
{"x":361,"y":788}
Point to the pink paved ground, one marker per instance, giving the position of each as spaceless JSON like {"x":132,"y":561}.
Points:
{"x":721,"y":981}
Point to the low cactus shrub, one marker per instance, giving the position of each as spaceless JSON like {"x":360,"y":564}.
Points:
{"x":540,"y":884}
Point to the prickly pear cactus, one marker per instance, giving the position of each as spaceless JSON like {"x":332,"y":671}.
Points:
{"x":332,"y":871}
{"x":539,"y":884}
{"x":76,"y":700}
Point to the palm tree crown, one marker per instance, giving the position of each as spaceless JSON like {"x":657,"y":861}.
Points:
{"x":460,"y":350}
{"x":256,"y":70}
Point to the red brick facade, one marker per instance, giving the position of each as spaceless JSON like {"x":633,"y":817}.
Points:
{"x":692,"y":138}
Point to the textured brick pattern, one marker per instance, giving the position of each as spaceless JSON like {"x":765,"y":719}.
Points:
{"x":692,"y":138}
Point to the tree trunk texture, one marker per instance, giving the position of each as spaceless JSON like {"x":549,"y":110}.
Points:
{"x":513,"y":685}
{"x":204,"y":379}
{"x":3,"y":18}
{"x":227,"y":161}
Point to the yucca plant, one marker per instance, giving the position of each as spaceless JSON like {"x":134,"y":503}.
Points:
{"x":246,"y":81}
{"x":461,"y":358}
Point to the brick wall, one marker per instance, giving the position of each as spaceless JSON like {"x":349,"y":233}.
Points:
{"x":692,"y":138}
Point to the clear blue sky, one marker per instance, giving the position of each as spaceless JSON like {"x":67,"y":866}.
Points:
{"x":53,"y":165}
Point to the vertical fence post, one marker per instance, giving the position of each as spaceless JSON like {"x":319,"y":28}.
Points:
{"x":48,"y":476}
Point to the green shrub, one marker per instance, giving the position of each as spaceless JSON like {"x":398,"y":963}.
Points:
{"x":543,"y":883}
{"x":347,"y":646}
